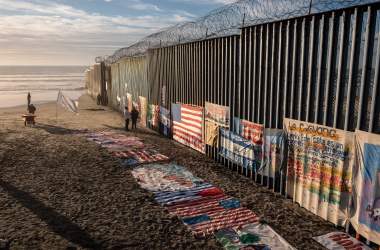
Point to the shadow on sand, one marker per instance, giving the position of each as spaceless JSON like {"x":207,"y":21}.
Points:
{"x":56,"y":130}
{"x":56,"y":222}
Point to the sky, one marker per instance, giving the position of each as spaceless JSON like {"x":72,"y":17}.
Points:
{"x":74,"y":32}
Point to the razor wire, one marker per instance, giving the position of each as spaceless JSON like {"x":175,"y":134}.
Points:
{"x":227,"y":20}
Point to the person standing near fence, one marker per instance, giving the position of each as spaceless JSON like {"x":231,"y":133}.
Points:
{"x":135,"y":116}
{"x":127,"y":116}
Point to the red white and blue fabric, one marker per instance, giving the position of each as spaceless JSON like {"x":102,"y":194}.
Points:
{"x":237,"y":149}
{"x":201,"y":206}
{"x":165,"y":121}
{"x":187,"y":126}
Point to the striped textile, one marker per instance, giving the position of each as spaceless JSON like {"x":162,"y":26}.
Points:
{"x":249,"y":130}
{"x":225,"y":219}
{"x":187,"y":126}
{"x":181,"y":196}
{"x":237,"y":149}
{"x":206,"y":207}
{"x":185,"y":204}
{"x":139,"y":156}
{"x":168,"y":197}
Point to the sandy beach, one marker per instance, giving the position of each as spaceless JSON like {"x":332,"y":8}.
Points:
{"x":60,"y":191}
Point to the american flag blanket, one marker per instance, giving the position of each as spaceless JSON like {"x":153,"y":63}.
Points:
{"x":203,"y":207}
{"x":132,"y":157}
{"x":249,"y":130}
{"x":131,"y":150}
{"x":187,"y":126}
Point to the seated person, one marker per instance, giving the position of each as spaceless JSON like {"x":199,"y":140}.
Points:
{"x":31,"y":109}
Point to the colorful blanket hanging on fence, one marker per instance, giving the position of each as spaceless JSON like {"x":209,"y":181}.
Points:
{"x":165,"y":121}
{"x":153,"y":115}
{"x":237,"y":149}
{"x":274,"y":146}
{"x":320,"y":169}
{"x":187,"y":125}
{"x":143,"y":105}
{"x":255,"y":134}
{"x":340,"y":241}
{"x":252,"y":236}
{"x":215,"y":116}
{"x":365,"y":210}
{"x":249,"y":130}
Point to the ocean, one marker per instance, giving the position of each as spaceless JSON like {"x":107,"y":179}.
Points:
{"x":43,"y":83}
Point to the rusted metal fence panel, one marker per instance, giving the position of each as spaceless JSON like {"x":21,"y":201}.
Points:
{"x":129,"y":75}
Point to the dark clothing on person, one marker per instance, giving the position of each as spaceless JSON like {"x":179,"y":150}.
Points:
{"x":135,"y":116}
{"x":127,"y":117}
{"x":31,"y":109}
{"x":127,"y":124}
{"x":29,"y":98}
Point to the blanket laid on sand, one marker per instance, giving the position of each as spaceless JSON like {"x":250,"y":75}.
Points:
{"x":252,"y":236}
{"x":168,"y":177}
{"x":206,"y":209}
{"x":340,"y":241}
{"x":131,"y":150}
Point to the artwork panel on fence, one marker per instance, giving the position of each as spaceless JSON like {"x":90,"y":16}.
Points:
{"x":320,"y":161}
{"x":211,"y":131}
{"x":274,"y":150}
{"x":254,"y":133}
{"x":163,"y":95}
{"x":249,"y":130}
{"x":340,"y":241}
{"x":187,"y":126}
{"x":129,"y":102}
{"x":237,"y":149}
{"x":143,"y":110}
{"x":153,"y":115}
{"x":165,"y":121}
{"x":136,"y":105}
{"x":217,"y":114}
{"x":365,"y":209}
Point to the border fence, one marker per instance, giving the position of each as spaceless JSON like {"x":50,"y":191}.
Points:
{"x":321,"y":68}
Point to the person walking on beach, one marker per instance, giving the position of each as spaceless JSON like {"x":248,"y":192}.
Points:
{"x":135,"y":115}
{"x":29,"y":99}
{"x":127,"y":116}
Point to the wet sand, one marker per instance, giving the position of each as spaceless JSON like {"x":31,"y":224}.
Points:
{"x":59,"y":191}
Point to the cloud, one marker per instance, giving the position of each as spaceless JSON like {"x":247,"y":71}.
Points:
{"x":41,"y":28}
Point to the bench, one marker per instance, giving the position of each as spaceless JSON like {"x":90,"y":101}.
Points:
{"x":29,"y":119}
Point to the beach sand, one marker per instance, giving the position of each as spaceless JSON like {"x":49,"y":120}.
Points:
{"x":59,"y":191}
